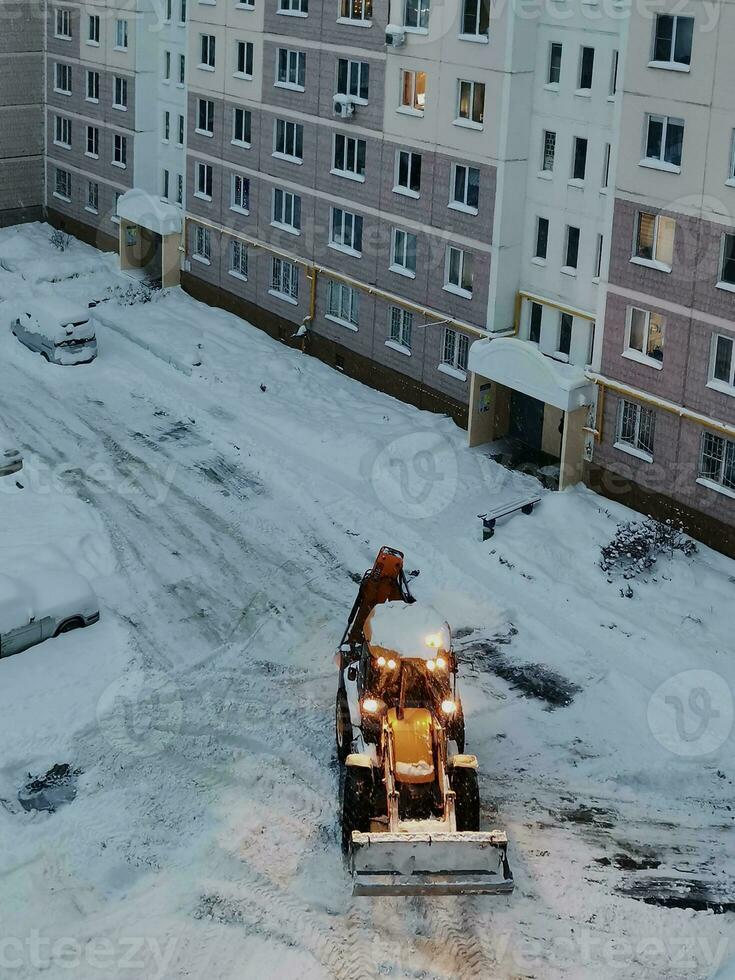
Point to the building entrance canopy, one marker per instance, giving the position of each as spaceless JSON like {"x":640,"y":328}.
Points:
{"x":149,"y":212}
{"x":520,"y":366}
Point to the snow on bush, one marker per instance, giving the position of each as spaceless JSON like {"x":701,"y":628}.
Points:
{"x":638,"y":544}
{"x":136,"y":292}
{"x":60,"y":240}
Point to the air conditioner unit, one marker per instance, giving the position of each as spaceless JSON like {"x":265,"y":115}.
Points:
{"x":343,"y":107}
{"x":395,"y":37}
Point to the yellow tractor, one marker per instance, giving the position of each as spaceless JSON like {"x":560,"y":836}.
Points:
{"x":411,"y":803}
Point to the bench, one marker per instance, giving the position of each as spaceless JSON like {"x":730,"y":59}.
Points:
{"x":523,"y":504}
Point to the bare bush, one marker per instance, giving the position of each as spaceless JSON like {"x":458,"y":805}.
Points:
{"x":637,"y":545}
{"x":60,"y":239}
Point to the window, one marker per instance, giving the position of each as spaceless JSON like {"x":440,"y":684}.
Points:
{"x":166,"y":66}
{"x":63,"y":24}
{"x":356,"y":10}
{"x":202,"y":243}
{"x":93,"y":196}
{"x":727,"y":261}
{"x":564,"y":343}
{"x":598,"y":258}
{"x":571,"y":253}
{"x":349,"y":157}
{"x":299,"y":8}
{"x":400,"y":325}
{"x":549,"y":151}
{"x":244,"y":59}
{"x":353,"y":78}
{"x":179,"y":188}
{"x":291,"y":69}
{"x":120,"y":150}
{"x":207,"y":43}
{"x":404,"y":253}
{"x":62,"y":184}
{"x":169,"y":7}
{"x":454,"y":350}
{"x":204,"y":181}
{"x":471,"y":102}
{"x":717,"y":460}
{"x":62,"y":79}
{"x":166,"y":126}
{"x":614,"y":73}
{"x":672,"y":40}
{"x":241,"y":126}
{"x":182,"y":69}
{"x":722,"y":365}
{"x":534,"y":329}
{"x":180,"y":134}
{"x":655,"y":239}
{"x":62,"y":134}
{"x":116,"y":195}
{"x":465,"y":188}
{"x":586,"y":69}
{"x":240,"y":194}
{"x":285,"y":279}
{"x":182,"y":12}
{"x":636,"y":425}
{"x":120,"y":99}
{"x":413,"y":90}
{"x":416,"y":14}
{"x":93,"y":29}
{"x":343,"y":304}
{"x":205,"y":117}
{"x":459,"y":271}
{"x":475,"y":18}
{"x":239,"y":260}
{"x":542,"y":238}
{"x":645,"y":333}
{"x":579,"y":158}
{"x":288,"y":140}
{"x":664,"y":138}
{"x":554,"y":73}
{"x":93,"y":141}
{"x":346,"y":231}
{"x":121,"y":34}
{"x":606,"y":166}
{"x":164,"y":184}
{"x":93,"y":86}
{"x":286,"y":210}
{"x":408,"y":173}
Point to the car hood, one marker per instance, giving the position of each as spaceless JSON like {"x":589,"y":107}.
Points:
{"x":40,"y":592}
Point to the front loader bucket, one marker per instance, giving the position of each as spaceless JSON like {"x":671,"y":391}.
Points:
{"x":430,"y":864}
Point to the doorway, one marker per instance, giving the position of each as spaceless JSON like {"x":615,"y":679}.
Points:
{"x":526,"y":421}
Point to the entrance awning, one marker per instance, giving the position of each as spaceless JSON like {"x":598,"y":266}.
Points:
{"x":519,"y":365}
{"x":149,"y":212}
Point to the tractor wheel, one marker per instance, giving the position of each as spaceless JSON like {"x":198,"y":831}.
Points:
{"x":455,"y":729}
{"x":467,"y":804}
{"x":356,"y":803}
{"x":343,"y":725}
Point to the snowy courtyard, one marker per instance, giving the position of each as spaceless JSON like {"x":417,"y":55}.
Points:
{"x":223,"y":494}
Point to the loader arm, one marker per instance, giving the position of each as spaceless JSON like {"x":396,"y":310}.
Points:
{"x":384,"y":582}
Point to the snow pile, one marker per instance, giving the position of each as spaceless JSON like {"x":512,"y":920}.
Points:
{"x":412,"y":630}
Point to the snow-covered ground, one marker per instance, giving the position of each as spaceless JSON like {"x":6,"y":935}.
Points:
{"x":223,"y":513}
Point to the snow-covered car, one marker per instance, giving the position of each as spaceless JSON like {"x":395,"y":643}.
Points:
{"x":43,"y":603}
{"x":11,"y":459}
{"x":57,"y":331}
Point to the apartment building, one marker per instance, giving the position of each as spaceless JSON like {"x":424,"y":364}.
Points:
{"x":115,"y":126}
{"x":667,"y":416}
{"x":21,"y":111}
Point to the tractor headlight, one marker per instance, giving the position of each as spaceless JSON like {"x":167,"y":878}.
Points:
{"x":433,"y":640}
{"x":430,"y":665}
{"x":441,"y":663}
{"x":391,"y":664}
{"x":371,"y":705}
{"x":449,"y":707}
{"x":381,"y":661}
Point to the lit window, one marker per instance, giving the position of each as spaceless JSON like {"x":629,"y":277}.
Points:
{"x":655,"y":239}
{"x":356,"y":10}
{"x":471,"y":102}
{"x":413,"y":90}
{"x":646,"y":333}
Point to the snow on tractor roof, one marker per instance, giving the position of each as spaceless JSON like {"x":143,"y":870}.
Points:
{"x":411,"y":630}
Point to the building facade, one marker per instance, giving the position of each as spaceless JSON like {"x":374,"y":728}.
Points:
{"x":522,"y":221}
{"x":667,"y":413}
{"x":21,"y":111}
